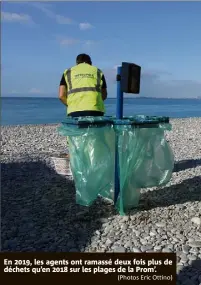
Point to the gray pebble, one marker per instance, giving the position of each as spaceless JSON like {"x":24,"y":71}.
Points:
{"x":125,"y":219}
{"x":185,"y":249}
{"x":152,"y":233}
{"x":124,"y":227}
{"x":183,"y":257}
{"x":146,"y":247}
{"x":179,"y":268}
{"x":119,"y":249}
{"x":192,"y":257}
{"x":160,"y":225}
{"x":103,"y":220}
{"x":108,"y":242}
{"x":195,"y":244}
{"x":196,"y":220}
{"x":158,"y":248}
{"x":143,"y":242}
{"x":166,"y":250}
{"x":135,"y":249}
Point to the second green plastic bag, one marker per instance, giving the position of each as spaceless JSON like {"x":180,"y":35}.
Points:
{"x":145,"y":160}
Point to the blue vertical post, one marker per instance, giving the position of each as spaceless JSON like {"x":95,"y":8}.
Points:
{"x":119,"y":115}
{"x":119,"y":110}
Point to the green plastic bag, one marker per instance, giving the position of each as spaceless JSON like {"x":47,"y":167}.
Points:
{"x":92,"y":161}
{"x":145,"y":157}
{"x":145,"y":160}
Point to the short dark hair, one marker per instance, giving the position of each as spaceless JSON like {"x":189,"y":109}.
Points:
{"x":81,"y":58}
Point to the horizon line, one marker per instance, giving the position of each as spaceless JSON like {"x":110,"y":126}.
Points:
{"x":114,"y":98}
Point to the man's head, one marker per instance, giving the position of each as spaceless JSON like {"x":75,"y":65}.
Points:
{"x":83,"y":58}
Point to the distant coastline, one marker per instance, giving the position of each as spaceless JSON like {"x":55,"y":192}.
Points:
{"x":164,"y":98}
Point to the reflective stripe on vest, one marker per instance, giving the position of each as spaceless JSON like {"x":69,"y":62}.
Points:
{"x":83,"y":89}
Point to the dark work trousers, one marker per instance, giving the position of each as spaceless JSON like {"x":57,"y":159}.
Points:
{"x":86,"y":113}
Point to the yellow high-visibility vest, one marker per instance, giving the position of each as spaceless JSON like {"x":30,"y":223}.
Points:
{"x":84,"y":83}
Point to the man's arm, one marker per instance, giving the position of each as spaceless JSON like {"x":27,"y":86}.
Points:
{"x":104,"y":88}
{"x":63,"y":91}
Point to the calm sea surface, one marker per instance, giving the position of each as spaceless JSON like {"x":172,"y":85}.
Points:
{"x":49,"y":110}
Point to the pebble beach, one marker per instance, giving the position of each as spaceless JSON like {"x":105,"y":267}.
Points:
{"x":39,"y":211}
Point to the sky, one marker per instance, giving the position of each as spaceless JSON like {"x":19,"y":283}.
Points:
{"x":41,"y":39}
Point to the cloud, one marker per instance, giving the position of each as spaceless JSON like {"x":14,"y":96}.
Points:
{"x":85,"y":26}
{"x":161,"y":84}
{"x":31,"y":91}
{"x":45,"y":8}
{"x":35,"y":91}
{"x":14,"y":92}
{"x":65,"y":41}
{"x":14,"y":17}
{"x":68,"y":41}
{"x":89,"y":43}
{"x":60,"y":19}
{"x":172,"y":88}
{"x":63,"y":20}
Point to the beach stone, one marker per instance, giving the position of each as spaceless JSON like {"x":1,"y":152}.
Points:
{"x":196,"y":221}
{"x":191,"y":240}
{"x":128,"y":244}
{"x":195,"y":244}
{"x":194,"y":250}
{"x":135,"y":249}
{"x":192,"y":257}
{"x":185,"y":249}
{"x":183,"y":257}
{"x":158,"y":248}
{"x":143,"y":242}
{"x":103,"y":220}
{"x":146,"y":247}
{"x":137,"y":233}
{"x":125,"y":219}
{"x":179,"y":268}
{"x":108,"y":242}
{"x":119,"y":249}
{"x":160,"y":225}
{"x":153,"y":233}
{"x":166,"y":250}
